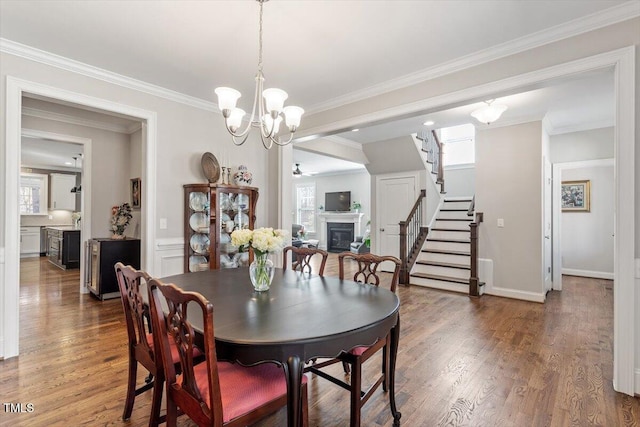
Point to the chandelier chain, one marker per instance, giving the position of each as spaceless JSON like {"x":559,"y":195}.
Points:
{"x":260,"y":40}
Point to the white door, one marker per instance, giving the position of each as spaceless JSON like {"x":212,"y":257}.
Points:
{"x":547,"y":244}
{"x":395,"y":197}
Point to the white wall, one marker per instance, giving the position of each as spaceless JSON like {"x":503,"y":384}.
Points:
{"x":587,"y":237}
{"x":358,"y":183}
{"x":110,"y":168}
{"x":509,"y":187}
{"x":585,"y":145}
{"x":460,"y":180}
{"x":135,"y":171}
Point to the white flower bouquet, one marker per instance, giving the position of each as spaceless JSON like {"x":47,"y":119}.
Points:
{"x":262,"y":240}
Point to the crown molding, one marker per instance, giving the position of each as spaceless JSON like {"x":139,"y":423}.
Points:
{"x":65,"y":118}
{"x":27,"y":52}
{"x":344,"y":141}
{"x":580,"y":127}
{"x":613,"y":15}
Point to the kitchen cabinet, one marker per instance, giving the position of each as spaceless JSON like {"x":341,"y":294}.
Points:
{"x":64,"y":247}
{"x":29,"y":241}
{"x":212,"y":212}
{"x":61,"y":196}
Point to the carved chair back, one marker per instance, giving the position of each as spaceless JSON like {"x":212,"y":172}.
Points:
{"x":301,"y":259}
{"x":368,"y":268}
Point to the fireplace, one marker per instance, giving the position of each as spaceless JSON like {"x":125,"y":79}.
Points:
{"x":339,"y":236}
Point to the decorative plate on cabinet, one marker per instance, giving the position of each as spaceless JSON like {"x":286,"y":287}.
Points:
{"x":210,"y":167}
{"x":198,"y":263}
{"x":198,"y":201}
{"x":200,"y":243}
{"x":199,"y":222}
{"x":242,"y":220}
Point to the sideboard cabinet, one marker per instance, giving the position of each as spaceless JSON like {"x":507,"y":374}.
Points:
{"x":211,"y":213}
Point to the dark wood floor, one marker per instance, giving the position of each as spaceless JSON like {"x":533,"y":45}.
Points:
{"x":462,"y":362}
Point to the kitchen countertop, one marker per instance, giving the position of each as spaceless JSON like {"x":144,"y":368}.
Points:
{"x":62,"y":227}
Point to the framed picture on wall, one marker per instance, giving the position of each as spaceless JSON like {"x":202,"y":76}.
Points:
{"x":136,"y":193}
{"x":576,"y":196}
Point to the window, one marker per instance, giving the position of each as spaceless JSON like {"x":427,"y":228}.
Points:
{"x":306,"y":206}
{"x":33,"y":194}
{"x":459,"y":145}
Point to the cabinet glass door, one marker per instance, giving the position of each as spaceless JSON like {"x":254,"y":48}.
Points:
{"x":199,"y":238}
{"x":234,"y":215}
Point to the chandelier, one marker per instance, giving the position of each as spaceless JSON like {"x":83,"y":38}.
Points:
{"x":489,"y":113}
{"x":268,"y":103}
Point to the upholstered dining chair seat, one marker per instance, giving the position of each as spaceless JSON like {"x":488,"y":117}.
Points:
{"x":243,"y":388}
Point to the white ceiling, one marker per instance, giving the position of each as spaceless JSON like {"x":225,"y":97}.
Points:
{"x":322,"y":52}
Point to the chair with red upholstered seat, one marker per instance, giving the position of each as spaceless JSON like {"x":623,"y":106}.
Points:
{"x":212,"y":393}
{"x":366,"y":271}
{"x":301,"y":259}
{"x":141,"y":345}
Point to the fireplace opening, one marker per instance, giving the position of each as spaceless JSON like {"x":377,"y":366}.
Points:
{"x":339,"y":236}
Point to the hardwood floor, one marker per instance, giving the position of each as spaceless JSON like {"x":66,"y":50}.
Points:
{"x":461,"y":362}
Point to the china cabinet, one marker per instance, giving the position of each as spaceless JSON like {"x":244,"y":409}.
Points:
{"x":211,"y":213}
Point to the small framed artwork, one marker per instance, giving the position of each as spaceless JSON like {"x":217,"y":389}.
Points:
{"x":136,"y":193}
{"x":576,"y":196}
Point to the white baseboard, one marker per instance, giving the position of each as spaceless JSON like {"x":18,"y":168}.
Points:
{"x":637,"y":382}
{"x":587,"y":273}
{"x":515,"y":294}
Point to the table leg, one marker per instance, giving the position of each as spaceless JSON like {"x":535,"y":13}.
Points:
{"x":393,"y":351}
{"x":293,"y":370}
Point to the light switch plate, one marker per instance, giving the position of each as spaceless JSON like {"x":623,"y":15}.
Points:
{"x":500,"y":222}
{"x":163,"y":223}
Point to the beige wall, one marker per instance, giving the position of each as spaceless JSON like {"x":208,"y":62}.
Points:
{"x":509,"y":187}
{"x":595,"y":42}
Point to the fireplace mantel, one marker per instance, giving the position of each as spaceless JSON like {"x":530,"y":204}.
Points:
{"x":354,"y":218}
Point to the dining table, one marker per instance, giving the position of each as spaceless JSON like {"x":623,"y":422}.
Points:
{"x":301,"y":317}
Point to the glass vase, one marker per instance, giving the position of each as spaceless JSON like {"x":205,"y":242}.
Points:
{"x":261,"y":272}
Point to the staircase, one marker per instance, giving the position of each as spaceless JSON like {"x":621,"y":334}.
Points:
{"x":445,"y":259}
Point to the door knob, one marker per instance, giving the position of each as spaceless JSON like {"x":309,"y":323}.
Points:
{"x":382,"y":229}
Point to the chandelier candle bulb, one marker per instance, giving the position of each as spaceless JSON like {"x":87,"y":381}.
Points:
{"x":274,"y":99}
{"x":227,"y":99}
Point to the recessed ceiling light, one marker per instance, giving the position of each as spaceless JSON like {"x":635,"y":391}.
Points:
{"x":68,"y":163}
{"x":355,"y":130}
{"x":429,"y":123}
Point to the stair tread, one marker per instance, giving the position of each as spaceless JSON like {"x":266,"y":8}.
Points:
{"x":445,"y":264}
{"x":454,"y":219}
{"x":449,"y":240}
{"x":447,"y":252}
{"x":457,"y":230}
{"x":442,"y":278}
{"x":460,"y":200}
{"x":454,"y":210}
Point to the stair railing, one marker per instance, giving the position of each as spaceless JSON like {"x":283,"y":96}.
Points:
{"x":474,"y":281}
{"x":412,"y":237}
{"x":437,"y":161}
{"x":433,"y":147}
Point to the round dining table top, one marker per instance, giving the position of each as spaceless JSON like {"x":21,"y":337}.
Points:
{"x":298,"y":308}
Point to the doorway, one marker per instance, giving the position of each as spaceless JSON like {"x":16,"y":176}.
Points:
{"x":16,"y":89}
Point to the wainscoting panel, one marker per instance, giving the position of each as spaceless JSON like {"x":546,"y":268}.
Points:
{"x":169,"y":257}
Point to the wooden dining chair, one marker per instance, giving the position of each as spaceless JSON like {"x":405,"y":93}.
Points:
{"x":141,"y":345}
{"x":211,"y":393}
{"x":366,"y":271}
{"x":301,"y":259}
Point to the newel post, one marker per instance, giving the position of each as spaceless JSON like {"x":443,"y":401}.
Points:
{"x":404,"y":271}
{"x":474,"y":282}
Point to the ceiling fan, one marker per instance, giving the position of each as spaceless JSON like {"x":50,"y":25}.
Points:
{"x":297,"y":170}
